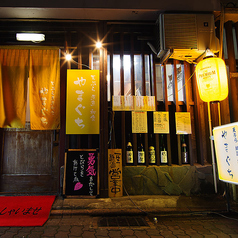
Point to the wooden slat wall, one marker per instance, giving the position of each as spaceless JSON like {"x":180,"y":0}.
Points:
{"x":198,"y":142}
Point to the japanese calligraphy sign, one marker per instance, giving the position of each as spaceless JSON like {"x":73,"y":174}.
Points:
{"x":161,"y":122}
{"x":226,"y":147}
{"x":82,"y":102}
{"x":44,"y":78}
{"x":81,"y":172}
{"x":133,"y":103}
{"x":115,"y":188}
{"x":25,"y":210}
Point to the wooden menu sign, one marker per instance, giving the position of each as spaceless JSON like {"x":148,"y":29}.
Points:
{"x":81,"y":172}
{"x":115,"y":186}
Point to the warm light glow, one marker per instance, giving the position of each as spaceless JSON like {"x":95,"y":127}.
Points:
{"x":30,"y":37}
{"x":98,"y":44}
{"x":211,"y":77}
{"x":68,"y":57}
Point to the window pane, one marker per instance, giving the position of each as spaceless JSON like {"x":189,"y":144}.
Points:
{"x":147,"y":75}
{"x":159,"y":82}
{"x":138,"y":75}
{"x":116,"y":75}
{"x":95,"y":61}
{"x":235,"y":42}
{"x":180,"y":81}
{"x":127,"y":75}
{"x":225,"y":45}
{"x":152,"y":74}
{"x":169,"y":81}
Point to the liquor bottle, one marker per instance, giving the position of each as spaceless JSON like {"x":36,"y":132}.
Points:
{"x":163,"y":152}
{"x":129,"y":151}
{"x":184,"y":151}
{"x":141,"y":152}
{"x":152,"y":159}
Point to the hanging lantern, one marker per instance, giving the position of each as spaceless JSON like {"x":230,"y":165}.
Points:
{"x":212,"y":79}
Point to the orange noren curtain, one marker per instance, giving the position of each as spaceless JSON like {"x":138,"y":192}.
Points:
{"x":44,"y":89}
{"x":13,"y":87}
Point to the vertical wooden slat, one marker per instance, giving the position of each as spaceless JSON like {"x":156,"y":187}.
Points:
{"x":157,"y":142}
{"x":123,"y":127}
{"x":62,"y":136}
{"x":167,"y":109}
{"x":103,"y":169}
{"x":199,"y":128}
{"x":232,"y":68}
{"x":190,"y":108}
{"x":146,"y":147}
{"x":134,"y":137}
{"x":111,"y":93}
{"x":178,"y":109}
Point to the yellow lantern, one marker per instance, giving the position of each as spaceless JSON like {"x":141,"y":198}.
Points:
{"x":212,"y":79}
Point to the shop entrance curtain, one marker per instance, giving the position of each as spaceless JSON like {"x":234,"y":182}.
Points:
{"x":42,"y":67}
{"x":13,"y":87}
{"x":44,"y":89}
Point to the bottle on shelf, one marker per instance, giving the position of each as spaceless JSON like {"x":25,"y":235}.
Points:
{"x":163,"y":151}
{"x":129,"y":151}
{"x":184,"y":150}
{"x":141,"y":151}
{"x":152,"y":158}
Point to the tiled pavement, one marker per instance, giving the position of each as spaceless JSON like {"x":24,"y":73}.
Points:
{"x":202,"y":225}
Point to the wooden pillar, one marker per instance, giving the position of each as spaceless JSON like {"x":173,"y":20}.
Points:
{"x":167,"y":109}
{"x":232,"y":68}
{"x":103,"y":160}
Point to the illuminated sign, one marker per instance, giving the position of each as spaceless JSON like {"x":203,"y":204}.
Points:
{"x":226,"y":147}
{"x":82,"y":103}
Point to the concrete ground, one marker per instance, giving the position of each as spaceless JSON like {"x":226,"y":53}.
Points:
{"x":168,"y":226}
{"x":136,"y":217}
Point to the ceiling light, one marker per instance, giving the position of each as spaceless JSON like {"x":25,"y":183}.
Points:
{"x":30,"y":37}
{"x":68,"y":57}
{"x":98,"y":44}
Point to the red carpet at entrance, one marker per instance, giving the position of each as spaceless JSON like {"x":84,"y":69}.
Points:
{"x":25,"y":210}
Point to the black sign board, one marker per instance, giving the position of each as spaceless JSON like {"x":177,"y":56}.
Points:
{"x":81,"y":172}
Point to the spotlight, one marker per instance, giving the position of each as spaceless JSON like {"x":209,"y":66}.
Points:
{"x":68,"y":57}
{"x":98,"y":44}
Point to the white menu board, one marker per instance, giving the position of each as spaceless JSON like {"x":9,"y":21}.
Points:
{"x":226,"y":147}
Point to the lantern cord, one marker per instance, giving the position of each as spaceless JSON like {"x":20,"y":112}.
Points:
{"x":184,"y":84}
{"x":79,"y":63}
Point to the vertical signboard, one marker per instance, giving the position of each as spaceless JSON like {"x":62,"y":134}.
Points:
{"x":115,"y":173}
{"x":81,"y":172}
{"x":226,"y":147}
{"x":82,"y":102}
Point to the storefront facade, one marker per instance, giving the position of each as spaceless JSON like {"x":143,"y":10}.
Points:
{"x":33,"y":158}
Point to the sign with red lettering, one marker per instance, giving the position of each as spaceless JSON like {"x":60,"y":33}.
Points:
{"x":81,"y":172}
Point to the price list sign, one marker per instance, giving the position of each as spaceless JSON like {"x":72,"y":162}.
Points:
{"x":226,"y":147}
{"x":161,"y":122}
{"x":183,"y":123}
{"x":139,"y":122}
